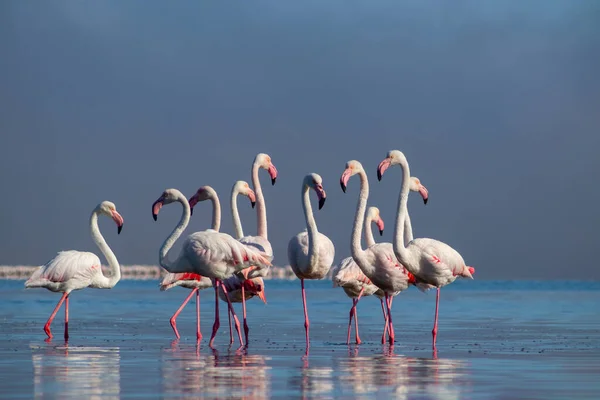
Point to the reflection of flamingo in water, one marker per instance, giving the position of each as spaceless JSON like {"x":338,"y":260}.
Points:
{"x":430,"y":261}
{"x":193,"y":281}
{"x":75,"y":270}
{"x":378,"y":261}
{"x":208,"y":253}
{"x":310,"y":253}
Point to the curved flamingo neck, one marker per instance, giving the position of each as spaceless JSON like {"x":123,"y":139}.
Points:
{"x":237,"y":223}
{"x":369,"y":239}
{"x":311,"y":226}
{"x":402,"y":254}
{"x":358,"y":253}
{"x":172,"y":238}
{"x":408,"y":232}
{"x":113,"y":263}
{"x":216,"y":213}
{"x":261,"y":208}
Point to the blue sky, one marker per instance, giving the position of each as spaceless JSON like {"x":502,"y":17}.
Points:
{"x":495,"y":105}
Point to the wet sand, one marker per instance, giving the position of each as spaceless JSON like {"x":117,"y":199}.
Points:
{"x":496,"y":340}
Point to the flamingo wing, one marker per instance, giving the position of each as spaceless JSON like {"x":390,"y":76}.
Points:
{"x":259,"y":243}
{"x":172,"y":279}
{"x":212,"y":247}
{"x":67,"y":266}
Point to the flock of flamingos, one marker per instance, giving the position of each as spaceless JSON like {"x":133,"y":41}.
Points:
{"x":235,"y":265}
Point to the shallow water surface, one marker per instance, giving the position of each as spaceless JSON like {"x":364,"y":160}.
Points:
{"x":496,"y":340}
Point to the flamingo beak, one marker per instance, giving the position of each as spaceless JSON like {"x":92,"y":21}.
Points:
{"x":118,"y":220}
{"x":344,"y":179}
{"x":385,"y":164}
{"x":321,"y":195}
{"x":424,"y":193}
{"x":273,"y":173}
{"x":252,"y":197}
{"x":381,"y":226}
{"x":192,"y":202}
{"x":156,"y":207}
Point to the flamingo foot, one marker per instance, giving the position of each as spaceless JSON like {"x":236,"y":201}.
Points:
{"x":173,"y":322}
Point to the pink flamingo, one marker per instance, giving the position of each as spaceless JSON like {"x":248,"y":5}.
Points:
{"x":207,"y":253}
{"x":241,"y":290}
{"x":378,"y":261}
{"x":310,"y":253}
{"x":75,"y":270}
{"x":260,"y":242}
{"x":193,"y":281}
{"x":430,"y":261}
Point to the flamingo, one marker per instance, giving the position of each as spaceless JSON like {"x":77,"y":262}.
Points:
{"x":349,"y":276}
{"x":378,"y":261}
{"x":431,"y":261}
{"x":193,"y":281}
{"x":208,"y":253}
{"x":310,"y":253}
{"x":74,"y":270}
{"x":241,"y":290}
{"x":260,"y":242}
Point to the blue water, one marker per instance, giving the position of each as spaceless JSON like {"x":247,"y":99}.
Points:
{"x":496,"y":340}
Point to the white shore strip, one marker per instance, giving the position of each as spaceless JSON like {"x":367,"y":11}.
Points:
{"x":132,"y":272}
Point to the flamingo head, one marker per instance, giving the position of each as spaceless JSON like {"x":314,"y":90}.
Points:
{"x":374,"y":215}
{"x":202,"y":194}
{"x":264,"y":161}
{"x":256,"y":286}
{"x":109,"y":209}
{"x":315,"y":182}
{"x":416,"y":186}
{"x":394,"y":157}
{"x":167,"y":197}
{"x":244,"y":189}
{"x":353,"y":167}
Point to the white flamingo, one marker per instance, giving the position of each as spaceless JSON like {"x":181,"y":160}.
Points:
{"x":75,"y":270}
{"x":207,"y":253}
{"x":378,"y":261}
{"x":310,"y":253}
{"x":430,"y":261}
{"x":350,"y":277}
{"x":193,"y":281}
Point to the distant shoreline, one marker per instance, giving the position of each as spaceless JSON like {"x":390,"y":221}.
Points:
{"x":132,"y":272}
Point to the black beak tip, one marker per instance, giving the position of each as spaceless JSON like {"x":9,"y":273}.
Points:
{"x":381,"y":232}
{"x":343,"y":187}
{"x":154,"y":216}
{"x":379,"y":175}
{"x":119,"y":229}
{"x":425,"y":200}
{"x":273,"y":180}
{"x":253,"y":204}
{"x":191,"y":210}
{"x":321,"y":203}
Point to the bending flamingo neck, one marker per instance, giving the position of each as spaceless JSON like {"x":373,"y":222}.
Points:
{"x":216,"y":213}
{"x":311,"y":226}
{"x":237,"y":223}
{"x":261,"y":208}
{"x":402,"y":253}
{"x":408,"y":232}
{"x":172,"y":238}
{"x":113,"y":263}
{"x":369,"y":239}
{"x":358,"y":253}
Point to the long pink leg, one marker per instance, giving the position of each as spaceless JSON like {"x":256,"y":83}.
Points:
{"x":47,"y":326}
{"x":198,"y":333}
{"x":389,"y":309}
{"x":350,"y":321}
{"x":67,"y":318}
{"x":173,"y":319}
{"x":385,"y":324}
{"x":246,"y":329}
{"x":217,"y":323}
{"x":358,"y":341}
{"x":230,"y":328}
{"x":435,"y":324}
{"x":306,"y":322}
{"x":235,"y":318}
